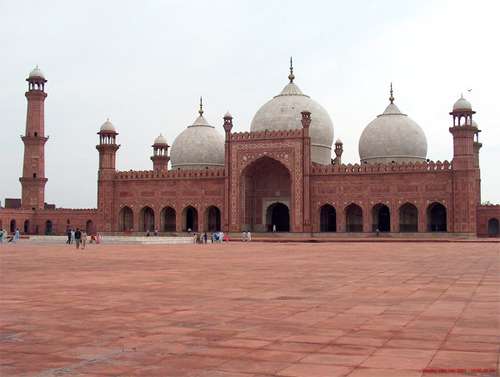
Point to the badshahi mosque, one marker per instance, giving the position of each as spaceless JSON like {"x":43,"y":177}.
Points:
{"x":285,"y":173}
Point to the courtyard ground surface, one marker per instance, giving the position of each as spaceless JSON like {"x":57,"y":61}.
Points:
{"x":250,"y":309}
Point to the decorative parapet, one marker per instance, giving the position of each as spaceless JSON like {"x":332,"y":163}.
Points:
{"x":73,"y":210}
{"x":261,"y":135}
{"x":169,"y":174}
{"x":403,"y":167}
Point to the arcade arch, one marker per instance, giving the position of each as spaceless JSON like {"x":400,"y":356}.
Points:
{"x":126,"y":219}
{"x":327,"y":218}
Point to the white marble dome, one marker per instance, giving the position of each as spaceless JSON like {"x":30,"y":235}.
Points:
{"x":36,"y":72}
{"x":283,"y":112}
{"x":392,"y":137}
{"x":199,"y":146}
{"x":107,"y":126}
{"x":462,"y":104}
{"x":160,"y":140}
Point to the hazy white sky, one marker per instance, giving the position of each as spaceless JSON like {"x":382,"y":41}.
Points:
{"x":144,"y":64}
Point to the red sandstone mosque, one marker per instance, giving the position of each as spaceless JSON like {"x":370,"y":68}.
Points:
{"x":279,"y":175}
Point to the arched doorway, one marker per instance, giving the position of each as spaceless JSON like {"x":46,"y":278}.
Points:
{"x":126,"y":219}
{"x":48,"y":227}
{"x":353,"y":218}
{"x":493,"y":228}
{"x":436,"y":218}
{"x":26,"y":227}
{"x":89,"y":227}
{"x":147,"y":220}
{"x":262,"y":183}
{"x":190,"y":217}
{"x":167,"y":219}
{"x":381,"y":216}
{"x":278,"y":215}
{"x":13,"y":225}
{"x":408,"y":218}
{"x":212,"y":219}
{"x":327,"y":219}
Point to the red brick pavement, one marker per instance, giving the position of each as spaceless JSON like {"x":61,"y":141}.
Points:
{"x":258,"y":309}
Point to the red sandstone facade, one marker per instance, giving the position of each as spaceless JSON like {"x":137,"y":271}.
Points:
{"x":268,"y":180}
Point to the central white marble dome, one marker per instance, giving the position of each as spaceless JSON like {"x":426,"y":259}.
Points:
{"x":199,"y":146}
{"x":283,"y":112}
{"x":392,"y":137}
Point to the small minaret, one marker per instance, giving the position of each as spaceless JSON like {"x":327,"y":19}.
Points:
{"x":160,"y":156}
{"x":33,"y":180}
{"x":107,"y":148}
{"x":339,"y":149}
{"x":465,"y":172}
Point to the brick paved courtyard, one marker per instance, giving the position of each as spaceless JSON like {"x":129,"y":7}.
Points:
{"x":259,"y":309}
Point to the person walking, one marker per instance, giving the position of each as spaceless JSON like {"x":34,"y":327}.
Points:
{"x":84,"y":239}
{"x":249,"y":236}
{"x":78,"y":238}
{"x":68,"y":233}
{"x":72,"y":236}
{"x":274,"y":228}
{"x":16,"y":235}
{"x":205,"y":238}
{"x":2,"y":235}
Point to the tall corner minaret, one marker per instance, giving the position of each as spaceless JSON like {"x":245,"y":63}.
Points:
{"x":107,"y":148}
{"x":33,"y":180}
{"x":465,"y":169}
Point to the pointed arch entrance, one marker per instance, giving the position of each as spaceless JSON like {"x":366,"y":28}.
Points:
{"x":48,"y":227}
{"x":353,"y":218}
{"x":89,"y":227}
{"x":408,"y":218}
{"x":147,"y":220}
{"x":278,"y":217}
{"x":493,"y":227}
{"x":436,"y":218}
{"x":125,"y":219}
{"x":381,"y":218}
{"x":190,"y":219}
{"x":167,"y":219}
{"x":26,"y":227}
{"x":212,"y":219}
{"x":265,"y":182}
{"x":327,"y":219}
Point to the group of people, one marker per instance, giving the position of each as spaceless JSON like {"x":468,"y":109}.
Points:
{"x":246,"y":236}
{"x":80,"y":237}
{"x":215,"y":237}
{"x":14,"y":237}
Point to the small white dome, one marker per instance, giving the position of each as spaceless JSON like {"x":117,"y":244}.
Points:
{"x":462,"y":104}
{"x":228,"y":115}
{"x":338,"y":141}
{"x":283,"y":112}
{"x":392,"y":136}
{"x":199,"y":146}
{"x":107,"y":126}
{"x":36,"y":72}
{"x":160,"y":140}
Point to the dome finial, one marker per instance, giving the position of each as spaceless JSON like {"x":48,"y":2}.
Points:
{"x":391,"y":98}
{"x":200,"y":111}
{"x":291,"y":76}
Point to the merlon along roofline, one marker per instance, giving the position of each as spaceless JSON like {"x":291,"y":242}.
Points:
{"x":402,"y":167}
{"x":266,"y":134}
{"x":170,"y":174}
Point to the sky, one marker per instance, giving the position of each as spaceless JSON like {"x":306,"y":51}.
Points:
{"x":144,"y":64}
